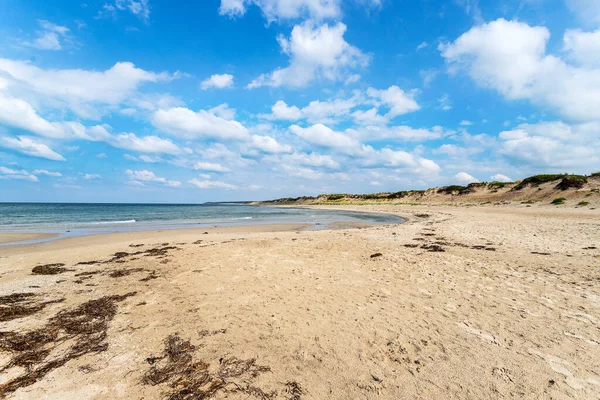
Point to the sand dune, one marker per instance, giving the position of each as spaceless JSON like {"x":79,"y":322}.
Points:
{"x":479,"y":303}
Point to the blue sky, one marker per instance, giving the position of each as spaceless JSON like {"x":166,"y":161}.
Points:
{"x":171,"y":101}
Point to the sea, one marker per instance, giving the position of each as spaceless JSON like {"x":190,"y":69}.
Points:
{"x":73,"y":219}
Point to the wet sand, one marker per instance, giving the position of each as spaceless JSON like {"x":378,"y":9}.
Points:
{"x":22,"y":237}
{"x":478,"y":302}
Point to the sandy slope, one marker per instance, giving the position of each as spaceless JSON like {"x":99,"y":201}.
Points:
{"x":327,"y":319}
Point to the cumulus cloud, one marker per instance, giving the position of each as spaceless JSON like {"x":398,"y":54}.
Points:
{"x":321,"y":135}
{"x":7,"y":173}
{"x":463,"y":178}
{"x":553,"y":145}
{"x":139,"y":177}
{"x":583,"y":47}
{"x":76,"y":89}
{"x":212,"y":184}
{"x":185,"y":123}
{"x":510,"y":57}
{"x":30,"y":147}
{"x":212,"y":167}
{"x":146,"y":144}
{"x":217,"y":81}
{"x":316,"y":52}
{"x":398,"y":101}
{"x":500,"y":178}
{"x":268,"y":144}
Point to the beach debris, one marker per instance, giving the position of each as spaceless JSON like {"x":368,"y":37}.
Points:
{"x":411,"y":245}
{"x":376,"y":255}
{"x":124,"y":272}
{"x":19,"y":305}
{"x":84,"y":327}
{"x":433,"y":248}
{"x":49,"y":269}
{"x":136,"y":245}
{"x":152,"y":275}
{"x":187,"y":378}
{"x":422,"y":215}
{"x":541,"y":254}
{"x":293,"y":390}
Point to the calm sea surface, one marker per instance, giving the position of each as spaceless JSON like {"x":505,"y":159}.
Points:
{"x":81,"y":219}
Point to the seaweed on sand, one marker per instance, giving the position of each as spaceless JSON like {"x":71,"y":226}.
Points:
{"x":85,"y":326}
{"x":190,"y":379}
{"x":49,"y":269}
{"x":19,"y":305}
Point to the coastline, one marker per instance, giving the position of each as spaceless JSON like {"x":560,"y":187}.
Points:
{"x":12,"y":237}
{"x":456,"y":302}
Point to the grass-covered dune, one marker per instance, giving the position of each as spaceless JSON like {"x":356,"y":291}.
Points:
{"x":575,"y":190}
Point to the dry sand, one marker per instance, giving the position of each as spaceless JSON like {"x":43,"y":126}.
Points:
{"x":462,"y":303}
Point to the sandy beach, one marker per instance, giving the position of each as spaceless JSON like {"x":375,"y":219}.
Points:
{"x":22,"y":237}
{"x":455,"y":303}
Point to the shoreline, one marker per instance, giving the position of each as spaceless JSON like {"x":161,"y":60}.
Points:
{"x":456,"y":302}
{"x":18,"y":237}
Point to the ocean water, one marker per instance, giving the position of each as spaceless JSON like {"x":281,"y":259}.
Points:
{"x":71,"y":219}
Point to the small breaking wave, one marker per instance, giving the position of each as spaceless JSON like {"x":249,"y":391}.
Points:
{"x":130,"y":221}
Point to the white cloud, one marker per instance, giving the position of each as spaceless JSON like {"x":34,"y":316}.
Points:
{"x":90,"y":177}
{"x":422,"y":45}
{"x":316,"y":52}
{"x":212,"y":184}
{"x":212,"y":167}
{"x":30,"y":147}
{"x":402,"y":132}
{"x":218,"y":82}
{"x":274,"y":10}
{"x":300,"y":172}
{"x":553,"y":145}
{"x":79,"y":90}
{"x":313,"y":160}
{"x":48,"y":173}
{"x":146,"y":144}
{"x":138,"y":177}
{"x":583,"y":47}
{"x":185,"y":123}
{"x":466,"y":123}
{"x":463,"y":178}
{"x":101,"y":155}
{"x":223,"y":111}
{"x":139,"y":8}
{"x":281,"y":111}
{"x":500,"y":178}
{"x":7,"y":173}
{"x":510,"y":57}
{"x":587,"y":10}
{"x":268,"y":144}
{"x":444,"y":103}
{"x":323,"y":136}
{"x":49,"y":37}
{"x":398,"y":101}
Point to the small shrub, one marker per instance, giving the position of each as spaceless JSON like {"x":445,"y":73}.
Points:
{"x":455,"y":189}
{"x":558,"y":201}
{"x":572,"y":181}
{"x":595,"y":174}
{"x":531,"y":201}
{"x":583,"y":203}
{"x":333,"y":197}
{"x":538,"y":180}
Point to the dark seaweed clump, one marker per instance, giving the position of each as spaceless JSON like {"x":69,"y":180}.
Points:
{"x":187,"y":378}
{"x":85,"y":325}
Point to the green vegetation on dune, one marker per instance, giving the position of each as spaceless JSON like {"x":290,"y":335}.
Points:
{"x":538,"y":180}
{"x":572,"y":182}
{"x":558,"y":201}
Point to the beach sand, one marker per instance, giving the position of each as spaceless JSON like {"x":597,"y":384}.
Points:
{"x":21,"y":237}
{"x":456,"y":303}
